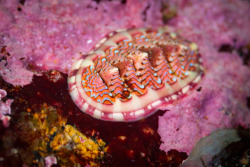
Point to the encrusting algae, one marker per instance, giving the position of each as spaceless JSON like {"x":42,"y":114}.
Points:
{"x":70,"y":139}
{"x":49,"y":135}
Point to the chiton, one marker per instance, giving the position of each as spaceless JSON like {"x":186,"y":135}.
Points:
{"x":130,"y":73}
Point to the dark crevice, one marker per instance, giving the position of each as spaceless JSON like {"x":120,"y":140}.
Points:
{"x":97,"y":1}
{"x":226,"y":48}
{"x":199,"y":89}
{"x":144,"y":13}
{"x":122,"y":1}
{"x":4,"y":55}
{"x":248,"y":102}
{"x":243,"y":51}
{"x":22,"y":2}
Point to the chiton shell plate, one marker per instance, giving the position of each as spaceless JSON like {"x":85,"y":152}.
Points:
{"x":130,"y":73}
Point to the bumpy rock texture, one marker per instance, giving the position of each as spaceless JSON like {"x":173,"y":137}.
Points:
{"x":36,"y":36}
{"x":221,"y":100}
{"x":50,"y":34}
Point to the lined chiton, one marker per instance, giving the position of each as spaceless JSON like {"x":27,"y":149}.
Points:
{"x":131,"y":73}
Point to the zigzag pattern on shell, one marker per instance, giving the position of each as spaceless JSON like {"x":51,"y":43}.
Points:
{"x":131,"y":73}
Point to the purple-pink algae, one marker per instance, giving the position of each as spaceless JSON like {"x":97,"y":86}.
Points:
{"x":5,"y":109}
{"x":50,"y":35}
{"x":221,"y":98}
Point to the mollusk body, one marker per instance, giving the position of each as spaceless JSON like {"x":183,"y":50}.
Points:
{"x":131,"y":73}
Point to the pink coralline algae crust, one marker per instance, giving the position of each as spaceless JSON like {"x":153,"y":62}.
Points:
{"x":131,"y":73}
{"x":50,"y":161}
{"x":221,"y":98}
{"x":49,"y":35}
{"x":5,"y":109}
{"x":220,"y":22}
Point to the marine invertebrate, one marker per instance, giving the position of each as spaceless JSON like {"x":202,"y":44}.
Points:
{"x":83,"y":147}
{"x":53,"y":141}
{"x":131,"y":73}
